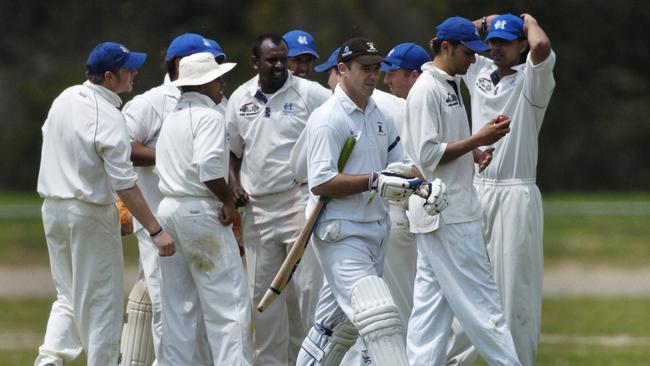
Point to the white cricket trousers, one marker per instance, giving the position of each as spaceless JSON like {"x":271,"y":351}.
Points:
{"x":271,"y":224}
{"x":85,"y":250}
{"x":399,"y":274}
{"x":348,"y":252}
{"x":513,"y":227}
{"x":453,"y":278}
{"x":151,"y":273}
{"x":204,"y":276}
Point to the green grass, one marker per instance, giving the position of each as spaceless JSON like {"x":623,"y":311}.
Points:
{"x":561,"y":317}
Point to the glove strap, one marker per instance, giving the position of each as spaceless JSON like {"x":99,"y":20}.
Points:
{"x":373,"y":181}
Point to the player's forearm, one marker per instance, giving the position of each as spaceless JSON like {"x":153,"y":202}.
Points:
{"x":459,"y":148}
{"x":142,"y":155}
{"x":233,"y":170}
{"x":134,"y":201}
{"x":538,"y":41}
{"x":342,"y":185}
{"x":220,"y":189}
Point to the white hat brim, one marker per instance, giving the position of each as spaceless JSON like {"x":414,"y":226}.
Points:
{"x":214,"y":73}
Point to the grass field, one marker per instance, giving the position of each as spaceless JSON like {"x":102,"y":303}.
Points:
{"x":575,"y":331}
{"x":590,"y":229}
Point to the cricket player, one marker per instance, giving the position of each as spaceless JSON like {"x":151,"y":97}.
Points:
{"x":144,"y":116}
{"x":265,"y":116}
{"x":516,"y":81}
{"x":402,"y":70}
{"x":302,"y":52}
{"x":84,"y":163}
{"x":453,"y":271}
{"x":351,"y":233}
{"x":206,"y":276}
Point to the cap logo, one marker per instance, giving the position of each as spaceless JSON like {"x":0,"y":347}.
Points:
{"x":206,"y":42}
{"x":302,"y":40}
{"x":124,"y":49}
{"x":500,"y":24}
{"x":346,"y":52}
{"x":371,"y":47}
{"x":391,"y":52}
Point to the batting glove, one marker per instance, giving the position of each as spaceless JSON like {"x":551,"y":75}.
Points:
{"x":435,"y":194}
{"x":401,"y":169}
{"x":392,"y":186}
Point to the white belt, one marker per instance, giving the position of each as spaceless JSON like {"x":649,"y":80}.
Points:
{"x":504,"y":182}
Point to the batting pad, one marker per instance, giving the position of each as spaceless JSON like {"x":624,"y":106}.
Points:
{"x":377,"y":319}
{"x":136,"y":346}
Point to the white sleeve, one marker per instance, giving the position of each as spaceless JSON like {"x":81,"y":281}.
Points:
{"x":112,"y":145}
{"x":539,"y":81}
{"x":317,"y":95}
{"x":323,"y":151}
{"x":208,"y":147}
{"x":423,"y":140}
{"x":298,"y":158}
{"x":236,"y":143}
{"x":141,"y":120}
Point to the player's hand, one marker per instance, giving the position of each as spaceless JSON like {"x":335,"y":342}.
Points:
{"x":165,"y":244}
{"x":239,"y":195}
{"x":528,"y":20}
{"x":435,"y":194}
{"x":393,"y":186}
{"x":228,"y":212}
{"x":494,"y":130}
{"x":483,"y":158}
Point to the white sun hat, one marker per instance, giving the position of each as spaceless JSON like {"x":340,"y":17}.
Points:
{"x":200,"y":68}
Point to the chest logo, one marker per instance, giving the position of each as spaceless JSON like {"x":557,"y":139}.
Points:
{"x":451,"y":100}
{"x":249,"y":109}
{"x":485,"y":84}
{"x":380,"y":128}
{"x":288,"y":108}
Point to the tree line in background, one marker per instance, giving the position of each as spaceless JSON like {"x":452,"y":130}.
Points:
{"x":596,"y":134}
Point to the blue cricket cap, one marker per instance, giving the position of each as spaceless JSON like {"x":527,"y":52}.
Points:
{"x":300,"y":42}
{"x":218,"y":53}
{"x":507,"y":26}
{"x":331,"y":62}
{"x":190,"y":43}
{"x":407,"y":56}
{"x":462,"y":30}
{"x":110,"y":55}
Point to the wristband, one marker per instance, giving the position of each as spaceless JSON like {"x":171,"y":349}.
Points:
{"x":373,"y":180}
{"x":484,"y":24}
{"x":154,"y":234}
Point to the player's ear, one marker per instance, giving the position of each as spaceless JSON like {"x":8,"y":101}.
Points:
{"x":523,"y":46}
{"x":341,"y":67}
{"x":254,"y":61}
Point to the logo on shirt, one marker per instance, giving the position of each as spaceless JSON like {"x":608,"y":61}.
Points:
{"x":451,"y":100}
{"x":287,"y":108}
{"x":380,"y":128}
{"x":249,"y":109}
{"x":484,"y":84}
{"x":267,"y":112}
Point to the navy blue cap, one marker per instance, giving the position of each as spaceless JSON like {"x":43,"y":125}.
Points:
{"x":190,"y":43}
{"x":331,"y":62}
{"x":507,"y":26}
{"x":462,"y":30}
{"x":110,"y":55}
{"x":218,"y":53}
{"x":407,"y":56}
{"x":300,"y":42}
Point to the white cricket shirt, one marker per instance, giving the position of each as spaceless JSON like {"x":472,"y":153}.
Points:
{"x":378,"y":144}
{"x":264,"y":130}
{"x":192,"y":147}
{"x":86,"y":153}
{"x":522,"y":96}
{"x":435,"y":116}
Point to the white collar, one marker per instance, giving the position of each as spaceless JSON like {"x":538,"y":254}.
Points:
{"x":197,"y":98}
{"x":107,"y":94}
{"x":350,"y":106}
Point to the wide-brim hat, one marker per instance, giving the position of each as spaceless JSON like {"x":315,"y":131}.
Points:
{"x":200,"y":68}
